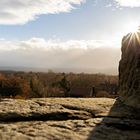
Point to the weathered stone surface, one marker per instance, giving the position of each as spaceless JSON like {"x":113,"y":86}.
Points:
{"x":129,"y":70}
{"x":53,"y":109}
{"x":59,"y":118}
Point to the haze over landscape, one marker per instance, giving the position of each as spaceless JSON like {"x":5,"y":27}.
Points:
{"x":65,"y":35}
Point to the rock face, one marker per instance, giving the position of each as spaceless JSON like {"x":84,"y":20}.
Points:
{"x":129,"y":70}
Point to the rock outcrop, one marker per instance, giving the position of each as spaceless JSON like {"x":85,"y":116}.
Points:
{"x":62,"y":119}
{"x":52,"y":118}
{"x":129,"y":70}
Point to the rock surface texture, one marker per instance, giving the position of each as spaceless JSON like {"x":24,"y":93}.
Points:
{"x":80,"y":119}
{"x":65,"y":119}
{"x":54,"y":118}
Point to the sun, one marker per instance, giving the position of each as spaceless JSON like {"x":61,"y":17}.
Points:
{"x":132,"y":31}
{"x":132,"y":27}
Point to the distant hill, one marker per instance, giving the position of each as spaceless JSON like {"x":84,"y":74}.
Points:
{"x":108,"y":71}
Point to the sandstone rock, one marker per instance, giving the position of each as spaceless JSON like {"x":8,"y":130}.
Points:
{"x":129,"y":70}
{"x":52,"y":118}
{"x":53,"y":109}
{"x":59,"y":118}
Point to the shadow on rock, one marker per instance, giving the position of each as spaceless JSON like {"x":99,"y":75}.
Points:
{"x":122,"y":123}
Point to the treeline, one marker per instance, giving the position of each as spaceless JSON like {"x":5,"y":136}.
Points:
{"x":41,"y":85}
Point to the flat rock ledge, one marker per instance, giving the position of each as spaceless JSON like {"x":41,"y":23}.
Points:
{"x":68,"y":119}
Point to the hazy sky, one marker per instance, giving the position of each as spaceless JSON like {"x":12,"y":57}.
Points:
{"x":77,"y":35}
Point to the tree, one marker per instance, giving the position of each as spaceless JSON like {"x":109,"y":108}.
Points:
{"x":14,"y":86}
{"x":65,"y":85}
{"x":38,"y":89}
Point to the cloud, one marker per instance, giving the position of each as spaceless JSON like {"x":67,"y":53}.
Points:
{"x":48,"y":45}
{"x":72,"y":55}
{"x":23,"y":11}
{"x":128,"y":3}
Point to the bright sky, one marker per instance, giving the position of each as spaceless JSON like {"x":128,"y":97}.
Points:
{"x":77,"y":35}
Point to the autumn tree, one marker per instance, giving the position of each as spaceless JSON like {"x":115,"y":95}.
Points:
{"x":12,"y":86}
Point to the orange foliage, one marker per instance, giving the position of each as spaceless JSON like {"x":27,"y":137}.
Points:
{"x":13,"y":86}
